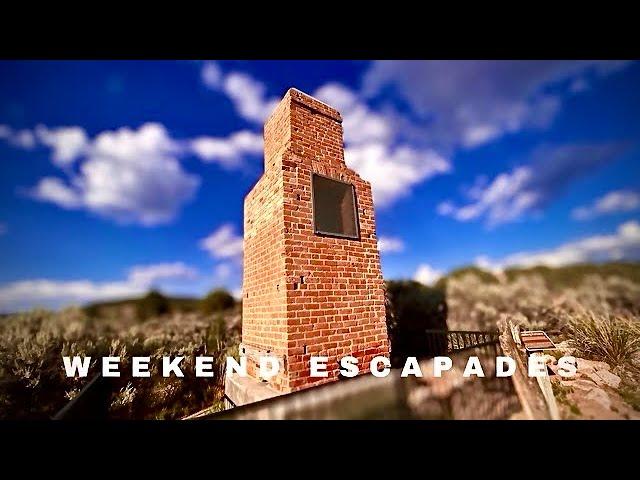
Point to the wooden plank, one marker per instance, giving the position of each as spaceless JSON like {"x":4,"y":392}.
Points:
{"x":531,"y":397}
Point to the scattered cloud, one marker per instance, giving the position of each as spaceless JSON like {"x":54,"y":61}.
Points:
{"x":56,"y":191}
{"x":618,"y":201}
{"x":375,"y":150}
{"x":18,"y":138}
{"x":129,"y":175}
{"x":453,"y":104}
{"x":361,"y":124}
{"x":390,"y":244}
{"x":66,"y":143}
{"x":526,"y":189}
{"x":229,"y":152}
{"x":148,"y":275}
{"x":223,"y":243}
{"x":624,"y":244}
{"x":427,"y":275}
{"x":393,"y":172}
{"x":45,"y":292}
{"x":248,"y":95}
{"x":211,"y":75}
{"x":470,"y":103}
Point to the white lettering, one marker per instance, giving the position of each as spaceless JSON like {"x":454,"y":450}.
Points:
{"x":76,"y":365}
{"x":169,"y":366}
{"x":319,"y":366}
{"x":349,"y":367}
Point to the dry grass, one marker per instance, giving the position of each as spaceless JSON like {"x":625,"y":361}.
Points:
{"x":528,"y":301}
{"x":32,"y":379}
{"x":614,"y":339}
{"x":599,"y":317}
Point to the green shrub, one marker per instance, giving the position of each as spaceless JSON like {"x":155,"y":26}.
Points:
{"x":216,"y":301}
{"x":412,"y":309}
{"x":153,"y":304}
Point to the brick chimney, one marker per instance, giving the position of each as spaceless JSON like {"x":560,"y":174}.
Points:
{"x":312,"y":280}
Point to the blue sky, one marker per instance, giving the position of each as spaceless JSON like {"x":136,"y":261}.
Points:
{"x":121,"y":176}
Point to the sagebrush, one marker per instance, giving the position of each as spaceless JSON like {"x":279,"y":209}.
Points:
{"x":33,"y":382}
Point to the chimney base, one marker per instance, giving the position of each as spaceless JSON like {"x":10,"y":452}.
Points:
{"x":245,"y":390}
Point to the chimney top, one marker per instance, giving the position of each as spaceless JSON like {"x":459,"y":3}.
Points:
{"x":312,"y":103}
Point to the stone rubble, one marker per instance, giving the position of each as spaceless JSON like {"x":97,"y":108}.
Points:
{"x":592,"y":393}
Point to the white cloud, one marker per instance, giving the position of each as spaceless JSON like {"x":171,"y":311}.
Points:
{"x":134,"y":176}
{"x":504,"y":199}
{"x":67,"y":143}
{"x":147,"y":275}
{"x":527,"y":189}
{"x":393,"y":172}
{"x":223,"y":243}
{"x":390,"y":244}
{"x":375,"y":151}
{"x":54,"y":190}
{"x":248,"y":95}
{"x":618,"y":201}
{"x":624,"y":244}
{"x":373,"y":145}
{"x":469,"y":103}
{"x":45,"y":292}
{"x":360,"y":123}
{"x":229,"y":152}
{"x":18,"y":138}
{"x":131,"y":175}
{"x":211,"y":75}
{"x":427,"y":275}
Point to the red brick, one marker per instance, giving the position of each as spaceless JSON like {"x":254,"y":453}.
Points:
{"x":339,"y":309}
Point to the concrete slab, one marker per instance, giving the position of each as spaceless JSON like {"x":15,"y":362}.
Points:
{"x":244,"y":390}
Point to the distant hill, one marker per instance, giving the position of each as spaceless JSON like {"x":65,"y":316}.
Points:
{"x":485,"y":276}
{"x":138,"y":307}
{"x":572,"y":275}
{"x":555,"y":277}
{"x":559,"y":277}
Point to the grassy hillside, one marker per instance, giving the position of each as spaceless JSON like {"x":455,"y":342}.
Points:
{"x":554,"y":278}
{"x":595,"y":307}
{"x":154,"y":304}
{"x":176,"y":304}
{"x":573,"y":275}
